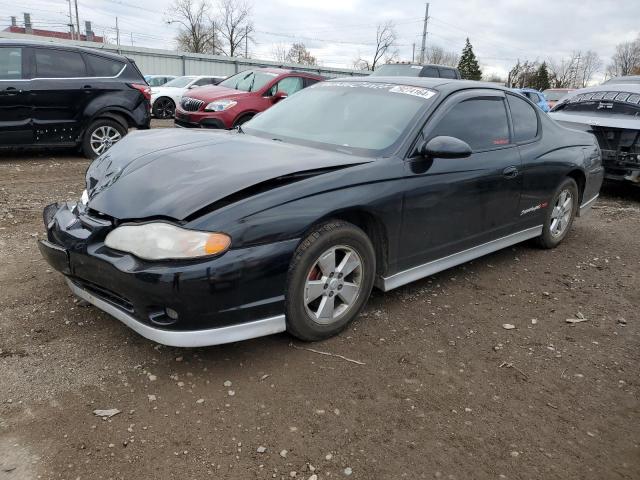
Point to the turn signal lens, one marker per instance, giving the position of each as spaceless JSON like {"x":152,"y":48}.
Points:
{"x":216,"y":243}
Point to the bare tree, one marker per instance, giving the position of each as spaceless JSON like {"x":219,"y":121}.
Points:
{"x":298,"y":53}
{"x":385,"y":48}
{"x":279,"y":52}
{"x":196,"y":32}
{"x":590,"y":64}
{"x":439,"y":56}
{"x":234,"y":26}
{"x":626,"y":59}
{"x":564,"y":72}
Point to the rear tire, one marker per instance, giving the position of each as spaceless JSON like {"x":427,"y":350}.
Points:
{"x":561,"y":212}
{"x":329,"y":281}
{"x":164,"y":108}
{"x":100,"y":136}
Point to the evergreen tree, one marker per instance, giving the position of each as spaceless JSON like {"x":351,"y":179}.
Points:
{"x":468,"y":65}
{"x":542,"y":81}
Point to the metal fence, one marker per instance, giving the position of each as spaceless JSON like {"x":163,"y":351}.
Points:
{"x":166,"y":62}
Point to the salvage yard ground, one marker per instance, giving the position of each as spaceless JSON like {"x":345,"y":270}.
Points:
{"x":444,"y":391}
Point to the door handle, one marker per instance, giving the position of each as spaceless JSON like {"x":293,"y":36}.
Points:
{"x":87,"y":88}
{"x":12,"y":91}
{"x":510,"y":172}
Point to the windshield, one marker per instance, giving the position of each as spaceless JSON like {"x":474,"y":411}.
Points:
{"x":554,"y":95}
{"x":179,"y":82}
{"x":366,"y":116}
{"x":249,"y":80}
{"x":390,"y":70}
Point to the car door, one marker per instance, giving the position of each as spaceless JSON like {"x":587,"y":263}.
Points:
{"x":15,"y":109}
{"x":60,"y":90}
{"x":454,"y":204}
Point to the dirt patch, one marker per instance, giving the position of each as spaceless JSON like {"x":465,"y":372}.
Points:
{"x":445,"y":391}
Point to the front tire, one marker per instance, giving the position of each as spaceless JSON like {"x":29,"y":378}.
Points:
{"x":560,"y":214}
{"x":329,"y":281}
{"x":164,"y":108}
{"x":101,"y":135}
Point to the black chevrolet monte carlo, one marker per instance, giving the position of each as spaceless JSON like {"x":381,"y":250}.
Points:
{"x":196,"y":238}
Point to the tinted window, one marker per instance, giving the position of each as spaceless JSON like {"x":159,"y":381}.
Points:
{"x":10,"y":63}
{"x":481,"y":122}
{"x":447,"y":73}
{"x":103,"y":67}
{"x":429,"y":72}
{"x":533,"y":97}
{"x":205,"y":81}
{"x":525,"y":119}
{"x":59,"y":64}
{"x":310,"y":81}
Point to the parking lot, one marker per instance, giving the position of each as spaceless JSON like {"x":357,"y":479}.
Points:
{"x":426,"y":384}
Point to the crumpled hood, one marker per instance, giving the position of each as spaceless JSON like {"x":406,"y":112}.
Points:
{"x":174,"y":172}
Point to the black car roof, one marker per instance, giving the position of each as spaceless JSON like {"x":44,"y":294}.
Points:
{"x":440,"y":84}
{"x":35,"y":43}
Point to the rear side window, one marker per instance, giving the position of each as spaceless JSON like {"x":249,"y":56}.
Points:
{"x":103,"y":67}
{"x":447,"y":73}
{"x":525,"y":119}
{"x":309,"y":81}
{"x":10,"y":63}
{"x":481,"y":122}
{"x":52,"y":63}
{"x":429,"y":72}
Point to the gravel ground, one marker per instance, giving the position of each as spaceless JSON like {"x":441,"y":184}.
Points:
{"x":444,"y":392}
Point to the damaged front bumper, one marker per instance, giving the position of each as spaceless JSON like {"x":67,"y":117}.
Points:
{"x":236,"y":296}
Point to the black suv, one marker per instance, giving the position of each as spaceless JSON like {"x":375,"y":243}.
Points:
{"x":416,"y":70}
{"x":54,"y":95}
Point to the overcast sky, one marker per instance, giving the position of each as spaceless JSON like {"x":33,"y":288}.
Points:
{"x":338,"y":31}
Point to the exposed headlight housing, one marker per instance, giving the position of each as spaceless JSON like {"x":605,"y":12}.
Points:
{"x":164,"y":241}
{"x":220,"y":105}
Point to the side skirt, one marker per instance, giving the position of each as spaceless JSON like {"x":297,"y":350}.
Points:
{"x":402,"y":278}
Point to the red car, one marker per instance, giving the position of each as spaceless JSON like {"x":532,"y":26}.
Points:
{"x":238,"y":98}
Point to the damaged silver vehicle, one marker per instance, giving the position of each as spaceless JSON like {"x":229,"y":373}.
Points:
{"x":612,"y":113}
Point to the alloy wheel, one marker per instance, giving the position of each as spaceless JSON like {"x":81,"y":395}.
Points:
{"x":561,"y":213}
{"x":103,"y":138}
{"x":333,"y":284}
{"x":164,"y":108}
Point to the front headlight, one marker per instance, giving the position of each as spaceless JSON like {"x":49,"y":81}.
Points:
{"x":163,"y":241}
{"x":220,"y":105}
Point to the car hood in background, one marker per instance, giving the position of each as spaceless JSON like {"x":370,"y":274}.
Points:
{"x":167,"y":173}
{"x":575,"y":119}
{"x":167,"y":91}
{"x":215,"y":92}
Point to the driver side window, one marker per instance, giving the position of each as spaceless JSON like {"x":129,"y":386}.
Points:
{"x":289,"y":85}
{"x":481,"y":122}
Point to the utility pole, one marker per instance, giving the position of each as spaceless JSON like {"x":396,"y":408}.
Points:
{"x":77,"y":20}
{"x":117,"y":35}
{"x":213,"y":37}
{"x":71,"y":29}
{"x":413,"y":53}
{"x":131,"y":38}
{"x":246,"y":42}
{"x":424,"y":35}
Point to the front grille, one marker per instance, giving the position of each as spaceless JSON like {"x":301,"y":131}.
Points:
{"x":191,"y":104}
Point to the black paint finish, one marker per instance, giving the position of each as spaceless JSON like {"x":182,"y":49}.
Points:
{"x":266,"y":194}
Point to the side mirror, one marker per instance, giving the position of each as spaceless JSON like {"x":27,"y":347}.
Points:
{"x":193,"y":86}
{"x":279,"y":95}
{"x":445,"y":147}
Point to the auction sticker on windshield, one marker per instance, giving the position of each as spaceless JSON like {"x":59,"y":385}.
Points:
{"x":421,"y":92}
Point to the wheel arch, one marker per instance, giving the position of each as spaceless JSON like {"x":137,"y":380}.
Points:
{"x":581,"y":180}
{"x":246,"y":113}
{"x":372,"y":225}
